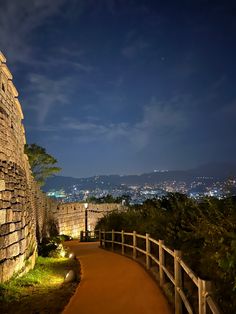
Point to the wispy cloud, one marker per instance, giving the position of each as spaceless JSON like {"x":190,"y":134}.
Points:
{"x":18,"y":22}
{"x":58,"y":60}
{"x":18,"y":19}
{"x":160,"y":119}
{"x":164,"y":115}
{"x":134,"y":48}
{"x":44,"y":94}
{"x":228,"y":110}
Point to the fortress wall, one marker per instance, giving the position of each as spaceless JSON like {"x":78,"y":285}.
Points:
{"x":26,"y":214}
{"x":24,"y":209}
{"x":71,"y":216}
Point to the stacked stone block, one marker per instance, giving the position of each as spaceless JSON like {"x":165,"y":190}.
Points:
{"x":71,"y":216}
{"x":26,"y":214}
{"x":23,"y":207}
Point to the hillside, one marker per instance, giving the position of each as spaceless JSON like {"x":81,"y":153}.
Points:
{"x":215,"y":170}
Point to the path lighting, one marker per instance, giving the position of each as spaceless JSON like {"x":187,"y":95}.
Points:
{"x":86,"y":220}
{"x":72,"y":256}
{"x":70,"y":276}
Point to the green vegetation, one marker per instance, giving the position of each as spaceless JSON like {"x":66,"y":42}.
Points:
{"x":44,"y":282}
{"x":52,"y":247}
{"x":47,"y":271}
{"x":42,"y":164}
{"x":205,"y":232}
{"x":40,"y":290}
{"x":108,"y":199}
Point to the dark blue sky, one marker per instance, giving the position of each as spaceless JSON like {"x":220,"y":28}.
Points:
{"x":125,"y":86}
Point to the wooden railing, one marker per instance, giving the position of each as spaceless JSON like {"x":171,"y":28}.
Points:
{"x":125,"y":241}
{"x":86,"y":236}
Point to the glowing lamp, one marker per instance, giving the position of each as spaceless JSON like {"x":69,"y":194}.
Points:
{"x":72,"y":256}
{"x":70,"y":276}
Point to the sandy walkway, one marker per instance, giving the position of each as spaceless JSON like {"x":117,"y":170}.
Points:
{"x":113,"y":284}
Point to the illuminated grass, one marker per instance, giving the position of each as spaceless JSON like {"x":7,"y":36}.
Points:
{"x":44,"y":281}
{"x":47,"y":272}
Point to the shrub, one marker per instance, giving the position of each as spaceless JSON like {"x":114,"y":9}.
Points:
{"x":52,"y":246}
{"x":205,"y":232}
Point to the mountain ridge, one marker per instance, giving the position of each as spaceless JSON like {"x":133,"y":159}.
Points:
{"x":212,"y":170}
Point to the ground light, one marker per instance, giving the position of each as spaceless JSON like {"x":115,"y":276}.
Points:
{"x":72,"y":255}
{"x":70,"y":276}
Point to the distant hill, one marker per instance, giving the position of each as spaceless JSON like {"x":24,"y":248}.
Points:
{"x":215,"y":170}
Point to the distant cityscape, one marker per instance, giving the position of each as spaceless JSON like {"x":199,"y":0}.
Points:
{"x":196,"y":188}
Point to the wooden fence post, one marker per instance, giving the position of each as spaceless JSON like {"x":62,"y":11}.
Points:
{"x":204,"y":287}
{"x":100,"y":237}
{"x":147,"y":251}
{"x":112,"y":239}
{"x":81,"y":236}
{"x":178,"y":282}
{"x":134,"y":245}
{"x":162,"y":263}
{"x":122,"y":242}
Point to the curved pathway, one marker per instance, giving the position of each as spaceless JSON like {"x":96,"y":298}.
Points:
{"x":113,"y":284}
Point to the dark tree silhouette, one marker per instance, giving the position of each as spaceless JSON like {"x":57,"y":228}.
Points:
{"x":42,"y":164}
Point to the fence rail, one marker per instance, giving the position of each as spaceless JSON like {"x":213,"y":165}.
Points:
{"x":205,"y":301}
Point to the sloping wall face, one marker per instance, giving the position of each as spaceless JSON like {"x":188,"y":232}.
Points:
{"x":23,"y":207}
{"x":26,"y":214}
{"x":71,"y":216}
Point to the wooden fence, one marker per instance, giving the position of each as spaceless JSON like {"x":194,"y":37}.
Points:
{"x":87,"y":236}
{"x":129,"y":241}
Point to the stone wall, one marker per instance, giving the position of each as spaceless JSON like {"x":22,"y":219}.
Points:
{"x":26,"y":214}
{"x":70,"y":217}
{"x":24,"y":209}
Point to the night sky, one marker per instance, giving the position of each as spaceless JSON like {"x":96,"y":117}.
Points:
{"x":125,"y":86}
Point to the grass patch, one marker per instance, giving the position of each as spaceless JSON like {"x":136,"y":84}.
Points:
{"x":40,"y":289}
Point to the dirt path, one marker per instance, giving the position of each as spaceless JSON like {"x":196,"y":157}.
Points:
{"x":113,"y":284}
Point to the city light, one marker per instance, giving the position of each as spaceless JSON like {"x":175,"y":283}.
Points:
{"x":196,"y":188}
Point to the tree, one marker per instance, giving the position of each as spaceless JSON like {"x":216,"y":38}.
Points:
{"x":41,"y":163}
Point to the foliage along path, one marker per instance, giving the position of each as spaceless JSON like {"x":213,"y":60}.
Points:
{"x":113,"y":284}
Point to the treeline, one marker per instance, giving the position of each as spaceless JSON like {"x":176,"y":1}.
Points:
{"x":204,"y":231}
{"x":108,"y":199}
